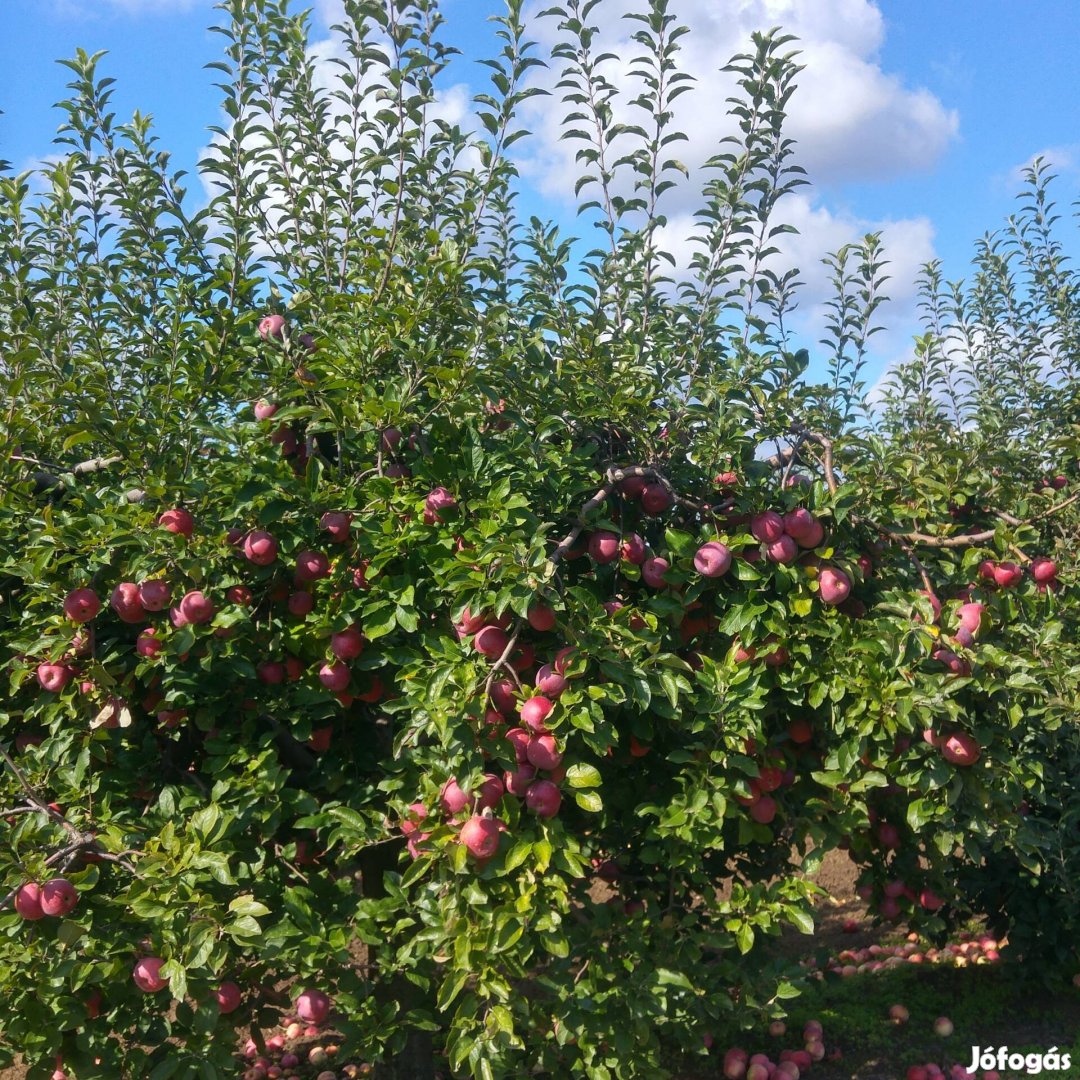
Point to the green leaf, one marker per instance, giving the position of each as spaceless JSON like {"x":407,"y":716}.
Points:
{"x":583,"y":776}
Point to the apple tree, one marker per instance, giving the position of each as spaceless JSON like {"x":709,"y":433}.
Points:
{"x":417,"y":620}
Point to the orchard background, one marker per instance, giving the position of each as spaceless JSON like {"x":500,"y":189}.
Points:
{"x":411,"y":626}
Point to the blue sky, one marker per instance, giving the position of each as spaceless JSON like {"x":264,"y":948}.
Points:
{"x":915,"y":115}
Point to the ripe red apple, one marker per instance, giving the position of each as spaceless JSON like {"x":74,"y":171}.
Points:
{"x":300,"y":603}
{"x":347,"y":644}
{"x":535,"y":710}
{"x":147,"y":974}
{"x":543,"y":752}
{"x":1043,"y":570}
{"x":502,"y":696}
{"x":389,"y":439}
{"x":519,"y":740}
{"x":633,"y":549}
{"x":28,"y":902}
{"x":490,"y":792}
{"x":517,"y":781}
{"x":835,"y":586}
{"x":155,"y":594}
{"x":239,"y":594}
{"x":935,"y":603}
{"x":58,"y":897}
{"x":491,"y":641}
{"x":782,"y":550}
{"x":177,"y":521}
{"x":800,"y":731}
{"x":313,"y":1006}
{"x":125,"y":601}
{"x":272,"y":327}
{"x":438,"y":499}
{"x":1007,"y":574}
{"x":653,"y":572}
{"x":81,"y":605}
{"x":260,"y":547}
{"x":54,"y":677}
{"x":712,"y":559}
{"x":888,"y":836}
{"x":767,"y":527}
{"x":799,"y":523}
{"x":959,"y":748}
{"x":563,"y":658}
{"x":604,"y":547}
{"x":334,"y":676}
{"x":228,"y":997}
{"x":970,"y":617}
{"x":763,"y":809}
{"x":549,"y":682}
{"x":930,"y":900}
{"x":270,"y":672}
{"x":480,"y":835}
{"x":543,"y":798}
{"x":541,"y":618}
{"x":310,"y":566}
{"x":196,"y":607}
{"x":453,"y":798}
{"x":147,"y":644}
{"x":264,"y":409}
{"x":943,"y":1026}
{"x":337,"y":523}
{"x":656,"y":499}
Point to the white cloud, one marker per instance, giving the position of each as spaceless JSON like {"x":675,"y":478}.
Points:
{"x":851,"y":119}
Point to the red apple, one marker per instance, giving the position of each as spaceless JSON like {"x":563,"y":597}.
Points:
{"x":604,"y":547}
{"x":655,"y":499}
{"x":782,"y":550}
{"x":28,"y":902}
{"x":453,"y":798}
{"x":543,"y":752}
{"x":632,"y":549}
{"x":959,"y":748}
{"x":653,"y":572}
{"x":834,"y":585}
{"x":491,"y":641}
{"x":334,"y":676}
{"x":125,"y":601}
{"x":1007,"y":574}
{"x":177,"y":521}
{"x":228,"y":997}
{"x":347,"y":644}
{"x":543,"y":798}
{"x":239,"y":594}
{"x":310,"y":566}
{"x":155,"y":595}
{"x":272,"y":327}
{"x":81,"y":605}
{"x":541,"y":618}
{"x":517,"y":781}
{"x":1043,"y":570}
{"x":260,"y":547}
{"x":300,"y":603}
{"x":767,"y":527}
{"x":480,"y":835}
{"x":337,"y":524}
{"x":535,"y":710}
{"x":196,"y":607}
{"x":147,"y":975}
{"x":147,"y":644}
{"x":58,"y":897}
{"x":712,"y":559}
{"x":54,"y":677}
{"x":313,"y":1006}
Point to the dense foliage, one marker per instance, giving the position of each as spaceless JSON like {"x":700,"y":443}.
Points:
{"x":486,"y":633}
